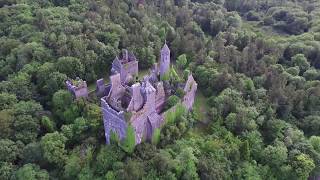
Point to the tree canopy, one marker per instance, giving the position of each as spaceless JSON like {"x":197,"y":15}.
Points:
{"x":256,"y":63}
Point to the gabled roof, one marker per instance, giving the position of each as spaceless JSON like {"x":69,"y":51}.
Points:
{"x":165,"y":48}
{"x":116,"y":61}
{"x":190,"y":82}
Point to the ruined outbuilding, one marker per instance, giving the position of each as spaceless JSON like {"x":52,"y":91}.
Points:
{"x":78,"y":88}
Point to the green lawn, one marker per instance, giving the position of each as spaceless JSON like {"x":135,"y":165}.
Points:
{"x":201,"y":107}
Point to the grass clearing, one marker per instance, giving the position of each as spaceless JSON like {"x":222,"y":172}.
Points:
{"x":201,"y":107}
{"x":201,"y":110}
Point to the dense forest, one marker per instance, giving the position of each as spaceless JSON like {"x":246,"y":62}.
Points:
{"x":257,"y":113}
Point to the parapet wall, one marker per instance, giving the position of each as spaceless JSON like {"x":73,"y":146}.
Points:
{"x":113,"y":121}
{"x":78,"y":91}
{"x":190,"y":92}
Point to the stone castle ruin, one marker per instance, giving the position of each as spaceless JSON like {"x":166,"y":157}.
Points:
{"x":78,"y":88}
{"x":140,"y":104}
{"x":127,"y":66}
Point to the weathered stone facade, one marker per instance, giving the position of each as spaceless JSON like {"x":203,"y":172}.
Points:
{"x":190,"y":92}
{"x":140,"y":104}
{"x":78,"y":88}
{"x":113,"y":120}
{"x":100,"y":87}
{"x":127,"y":66}
{"x":164,"y":60}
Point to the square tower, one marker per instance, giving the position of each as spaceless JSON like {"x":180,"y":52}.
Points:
{"x":164,"y":60}
{"x":127,"y":66}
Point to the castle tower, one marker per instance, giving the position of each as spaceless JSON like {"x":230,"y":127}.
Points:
{"x":151,"y":98}
{"x":164,"y":60}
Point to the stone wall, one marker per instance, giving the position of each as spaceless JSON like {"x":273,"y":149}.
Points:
{"x":127,"y":66}
{"x":117,"y":90}
{"x":139,"y":125}
{"x":129,"y":71}
{"x":100,"y":87}
{"x":190,"y":92}
{"x":143,"y":101}
{"x":113,"y":121}
{"x":137,"y":100}
{"x":160,"y":97}
{"x":81,"y":90}
{"x":164,"y":60}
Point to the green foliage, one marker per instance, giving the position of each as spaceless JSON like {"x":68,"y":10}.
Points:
{"x":53,"y":146}
{"x":110,"y":176}
{"x":31,"y":172}
{"x":62,"y":99}
{"x":294,"y":71}
{"x":182,"y":61}
{"x":174,"y":77}
{"x":180,"y":93}
{"x":170,"y":116}
{"x":165,"y":77}
{"x":147,"y":57}
{"x":172,"y":100}
{"x":26,"y":128}
{"x":301,"y":61}
{"x":32,"y":153}
{"x":128,"y":144}
{"x":6,"y":122}
{"x":77,"y":164}
{"x":27,"y":108}
{"x":20,"y":85}
{"x":114,"y":138}
{"x":248,"y":171}
{"x":188,"y":164}
{"x":72,"y":167}
{"x":261,"y":79}
{"x":315,"y":142}
{"x":311,"y":74}
{"x":70,"y":66}
{"x":156,"y":137}
{"x":245,"y":151}
{"x":9,"y":150}
{"x":302,"y":165}
{"x":54,"y":82}
{"x":186,"y":73}
{"x":275,"y":156}
{"x":6,"y":170}
{"x":177,"y":123}
{"x":105,"y":161}
{"x":48,"y":124}
{"x":7,"y":100}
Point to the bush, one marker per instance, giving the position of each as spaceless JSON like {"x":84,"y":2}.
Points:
{"x":155,"y":137}
{"x":253,"y":16}
{"x":129,"y":142}
{"x":172,"y":100}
